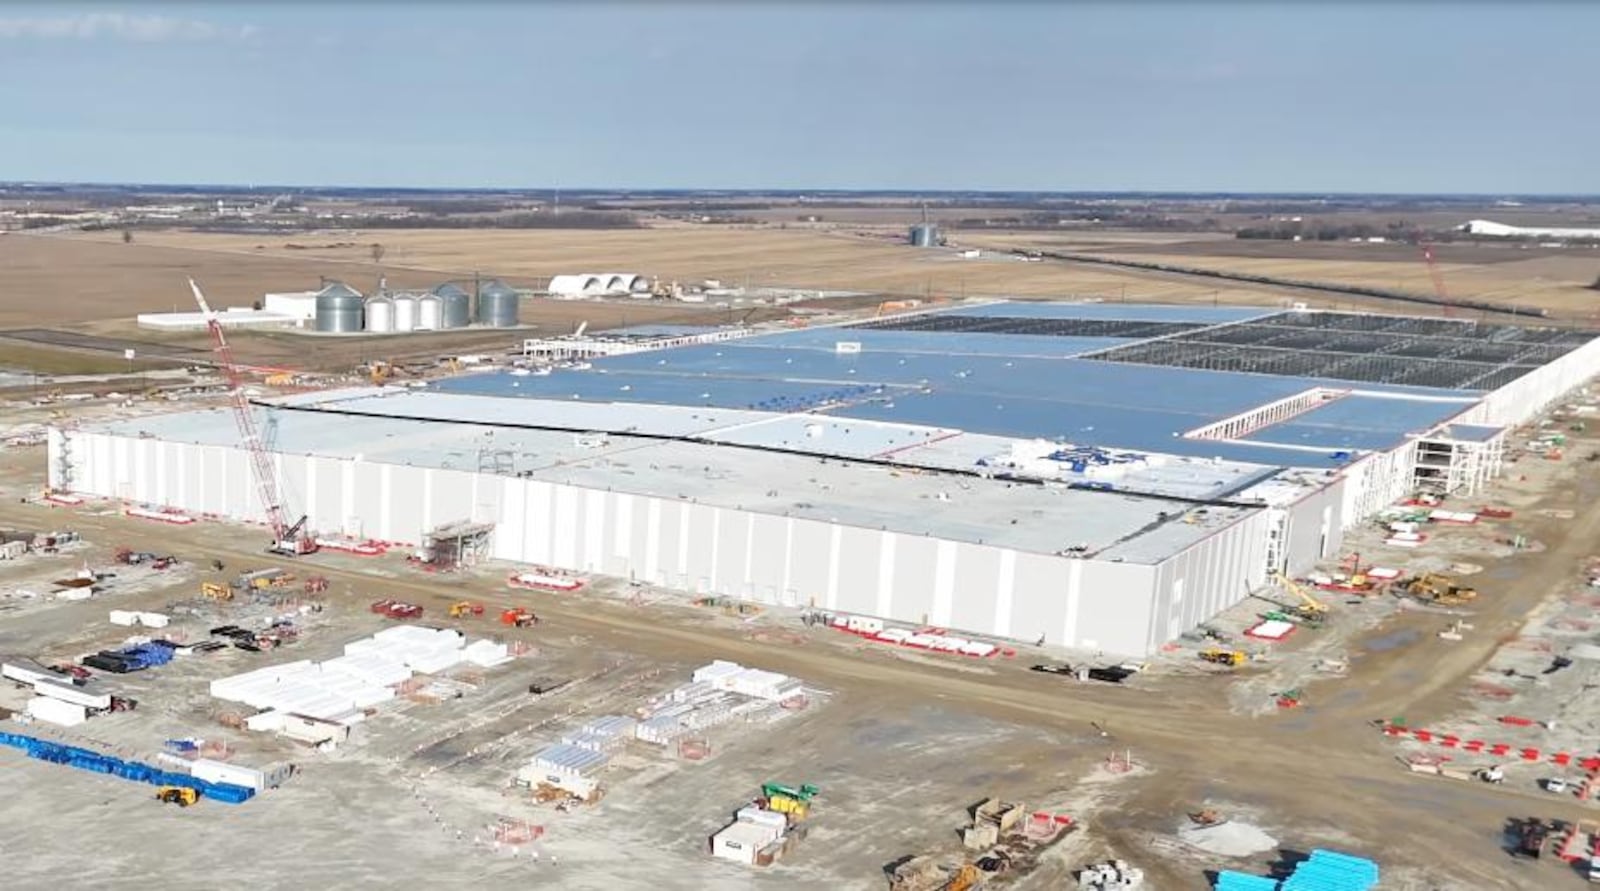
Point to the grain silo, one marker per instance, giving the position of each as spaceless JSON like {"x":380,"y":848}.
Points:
{"x":497,"y":305}
{"x":339,"y":309}
{"x":430,"y":312}
{"x":457,"y":305}
{"x":380,"y":315}
{"x":925,"y":235}
{"x":405,"y":313}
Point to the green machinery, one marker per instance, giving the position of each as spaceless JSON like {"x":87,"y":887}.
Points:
{"x":778,"y":790}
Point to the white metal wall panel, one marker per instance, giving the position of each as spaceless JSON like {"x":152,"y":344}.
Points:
{"x":835,"y":564}
{"x":885,"y":586}
{"x":811,"y":561}
{"x":769,"y":559}
{"x":622,"y":526}
{"x":732,"y":547}
{"x":594,"y":525}
{"x":915,"y":564}
{"x":1115,"y":607}
{"x":541,"y":528}
{"x":977,"y":572}
{"x":1004,"y":592}
{"x":653,"y":569}
{"x":511,"y":529}
{"x":1039,"y":597}
{"x":944,"y":581}
{"x":860,"y":567}
{"x":696,"y":541}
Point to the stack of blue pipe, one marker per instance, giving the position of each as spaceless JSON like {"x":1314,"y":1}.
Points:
{"x":1323,"y":871}
{"x":85,"y":759}
{"x":1227,"y":880}
{"x":148,"y":655}
{"x":1332,"y":871}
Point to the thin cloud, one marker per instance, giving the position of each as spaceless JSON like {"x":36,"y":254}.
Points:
{"x":117,"y":26}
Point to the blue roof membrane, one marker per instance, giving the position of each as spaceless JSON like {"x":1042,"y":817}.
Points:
{"x":1361,"y":422}
{"x":942,"y":343}
{"x":1122,"y":312}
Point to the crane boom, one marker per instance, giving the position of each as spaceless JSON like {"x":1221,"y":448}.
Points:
{"x":285,"y":539}
{"x":1433,"y":273}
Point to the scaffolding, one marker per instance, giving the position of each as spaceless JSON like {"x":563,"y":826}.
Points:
{"x":458,"y":544}
{"x":1459,"y":459}
{"x":1443,"y":353}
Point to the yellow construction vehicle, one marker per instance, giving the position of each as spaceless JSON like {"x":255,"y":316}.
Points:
{"x":465,"y":608}
{"x":214,"y":591}
{"x":1219,"y":656}
{"x":182,"y":796}
{"x":1311,"y":605}
{"x":1437,"y":588}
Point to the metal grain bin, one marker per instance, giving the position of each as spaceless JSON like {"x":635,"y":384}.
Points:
{"x":497,"y":305}
{"x":924,"y":235}
{"x":380,"y":315}
{"x":430,"y":313}
{"x":457,"y":305}
{"x":340,"y":309}
{"x":405,"y":313}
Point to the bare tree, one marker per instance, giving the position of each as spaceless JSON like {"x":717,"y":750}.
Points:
{"x":127,"y":236}
{"x":377,"y":253}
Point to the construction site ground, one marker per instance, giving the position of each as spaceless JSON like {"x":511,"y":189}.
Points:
{"x":901,"y":742}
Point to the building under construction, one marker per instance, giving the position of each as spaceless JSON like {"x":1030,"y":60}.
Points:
{"x":1103,"y":476}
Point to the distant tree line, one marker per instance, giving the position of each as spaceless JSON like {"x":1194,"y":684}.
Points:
{"x":575,"y":219}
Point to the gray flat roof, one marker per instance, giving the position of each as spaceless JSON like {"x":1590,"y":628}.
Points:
{"x":1027,"y":517}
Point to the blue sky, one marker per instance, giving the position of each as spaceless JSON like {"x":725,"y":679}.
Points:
{"x":1351,"y":96}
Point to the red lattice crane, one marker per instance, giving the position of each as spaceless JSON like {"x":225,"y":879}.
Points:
{"x":1433,"y":273}
{"x":288,"y":540}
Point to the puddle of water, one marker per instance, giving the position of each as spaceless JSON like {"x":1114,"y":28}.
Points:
{"x":1394,"y":640}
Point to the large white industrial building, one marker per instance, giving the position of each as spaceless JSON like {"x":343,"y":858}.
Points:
{"x":1095,"y":476}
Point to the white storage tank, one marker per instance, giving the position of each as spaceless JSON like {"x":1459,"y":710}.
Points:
{"x":405,"y":313}
{"x":430,"y":313}
{"x":380,"y":315}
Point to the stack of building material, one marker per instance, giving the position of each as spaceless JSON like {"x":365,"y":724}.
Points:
{"x":660,"y":730}
{"x":56,"y":711}
{"x":753,"y":682}
{"x":423,"y":650}
{"x":751,"y":830}
{"x":567,"y":767}
{"x":486,"y":653}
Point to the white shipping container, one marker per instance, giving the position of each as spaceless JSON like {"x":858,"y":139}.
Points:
{"x":124,"y":618}
{"x":22,"y":675}
{"x":75,"y":695}
{"x":55,"y":711}
{"x":232,"y":774}
{"x":154,"y":620}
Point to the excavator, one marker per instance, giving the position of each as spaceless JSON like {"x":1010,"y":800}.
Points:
{"x":1219,"y":656}
{"x":182,"y":796}
{"x":1433,"y":587}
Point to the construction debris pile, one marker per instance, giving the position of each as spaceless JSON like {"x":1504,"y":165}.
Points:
{"x":1114,"y":876}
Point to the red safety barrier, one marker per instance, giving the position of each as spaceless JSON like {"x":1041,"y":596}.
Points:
{"x":1590,"y":764}
{"x":1499,"y":749}
{"x":1561,"y":758}
{"x":1530,"y":754}
{"x":1422,"y":735}
{"x":1474,"y":745}
{"x":1515,"y":721}
{"x":1449,"y":742}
